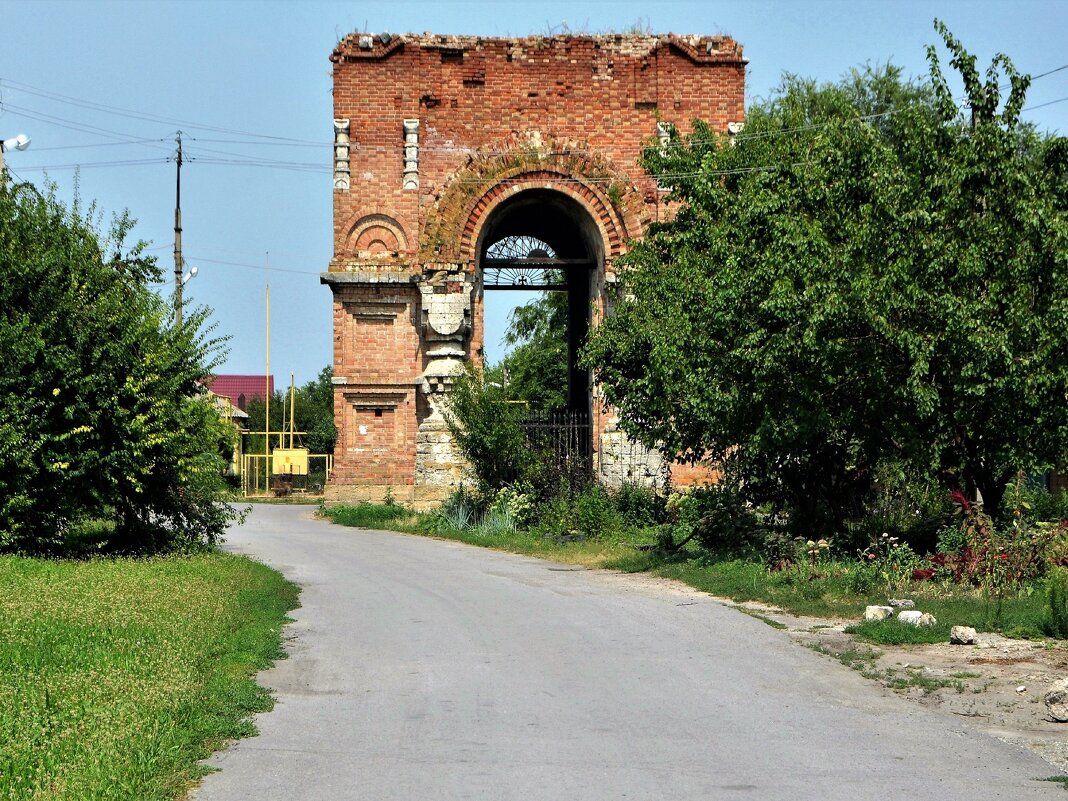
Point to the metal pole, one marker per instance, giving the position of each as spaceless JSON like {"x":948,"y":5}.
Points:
{"x":267,"y":392}
{"x":292,"y":405}
{"x":178,"y":236}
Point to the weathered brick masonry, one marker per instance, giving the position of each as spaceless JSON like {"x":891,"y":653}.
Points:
{"x":435,"y":138}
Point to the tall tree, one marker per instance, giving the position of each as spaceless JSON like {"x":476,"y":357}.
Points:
{"x":535,"y":370}
{"x":101,"y":414}
{"x":864,"y":272}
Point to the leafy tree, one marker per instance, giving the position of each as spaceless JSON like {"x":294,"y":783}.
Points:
{"x":864,"y":273}
{"x":536,"y":369}
{"x":486,"y":427}
{"x":101,"y":414}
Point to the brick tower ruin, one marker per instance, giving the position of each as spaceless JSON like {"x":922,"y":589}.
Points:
{"x":448,"y":146}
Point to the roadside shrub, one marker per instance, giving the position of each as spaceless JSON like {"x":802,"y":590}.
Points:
{"x":595,"y":515}
{"x":588,"y":514}
{"x":487,"y":430}
{"x":719,"y":519}
{"x":496,"y":522}
{"x":904,"y":503}
{"x":459,"y":512}
{"x":997,"y":557}
{"x":518,"y":503}
{"x":1057,"y":604}
{"x":889,"y":562}
{"x":367,"y":515}
{"x":102,"y":416}
{"x":779,"y":550}
{"x":639,"y":506}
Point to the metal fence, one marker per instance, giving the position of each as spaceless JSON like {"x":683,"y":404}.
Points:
{"x":258,"y":478}
{"x":563,"y":441}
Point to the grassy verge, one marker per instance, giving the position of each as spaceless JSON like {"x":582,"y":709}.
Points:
{"x":117,"y":676}
{"x":589,"y":553}
{"x":827,"y":591}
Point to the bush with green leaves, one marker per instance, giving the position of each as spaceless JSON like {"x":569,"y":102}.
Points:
{"x":517,"y":503}
{"x":487,"y":430}
{"x":865,"y":274}
{"x":1031,"y":499}
{"x":588,"y":514}
{"x":889,"y":562}
{"x":718,"y":517}
{"x":1057,"y":603}
{"x":639,"y":506}
{"x":101,"y":413}
{"x":904,"y":502}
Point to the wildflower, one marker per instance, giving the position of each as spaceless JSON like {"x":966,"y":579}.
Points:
{"x":959,"y":498}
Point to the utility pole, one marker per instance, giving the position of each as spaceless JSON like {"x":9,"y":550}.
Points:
{"x":178,"y":236}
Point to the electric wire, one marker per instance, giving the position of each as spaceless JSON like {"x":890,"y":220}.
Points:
{"x":246,"y":265}
{"x":94,"y":164}
{"x":1043,"y":105}
{"x":141,"y":115}
{"x":97,"y":144}
{"x":258,"y":139}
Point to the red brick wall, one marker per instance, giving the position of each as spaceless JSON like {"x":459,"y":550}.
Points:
{"x":475,"y":97}
{"x":470,"y":92}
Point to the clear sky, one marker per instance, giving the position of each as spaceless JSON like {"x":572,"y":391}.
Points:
{"x":105,"y":85}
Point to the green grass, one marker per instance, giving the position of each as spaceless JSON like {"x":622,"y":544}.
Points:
{"x":591,"y":553}
{"x":371,"y":515}
{"x":117,"y":676}
{"x":1061,"y":780}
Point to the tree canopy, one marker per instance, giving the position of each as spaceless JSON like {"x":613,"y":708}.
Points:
{"x":866,"y":272}
{"x":101,"y":413}
{"x":535,"y":370}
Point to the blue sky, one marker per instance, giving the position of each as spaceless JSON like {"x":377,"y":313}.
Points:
{"x":105,"y":85}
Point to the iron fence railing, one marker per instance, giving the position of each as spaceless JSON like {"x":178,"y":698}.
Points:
{"x":563,"y":442}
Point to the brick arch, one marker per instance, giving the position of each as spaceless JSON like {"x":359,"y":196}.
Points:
{"x":609,"y":224}
{"x":374,"y":234}
{"x":452,"y":230}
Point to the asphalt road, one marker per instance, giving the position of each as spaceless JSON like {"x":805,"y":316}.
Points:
{"x":421,"y":669}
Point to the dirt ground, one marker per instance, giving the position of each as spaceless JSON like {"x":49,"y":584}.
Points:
{"x":999,"y":684}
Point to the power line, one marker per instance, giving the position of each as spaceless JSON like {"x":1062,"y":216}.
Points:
{"x":1043,"y":105}
{"x":295,"y":166}
{"x":62,"y":122}
{"x":323,"y":144}
{"x":141,"y":115}
{"x":1049,"y":72}
{"x":96,"y":164}
{"x":98,"y":144}
{"x":253,"y":266}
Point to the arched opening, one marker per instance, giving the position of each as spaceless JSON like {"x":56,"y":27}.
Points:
{"x":541,"y":239}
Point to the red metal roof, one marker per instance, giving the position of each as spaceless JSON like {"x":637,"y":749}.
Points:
{"x":240,"y":389}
